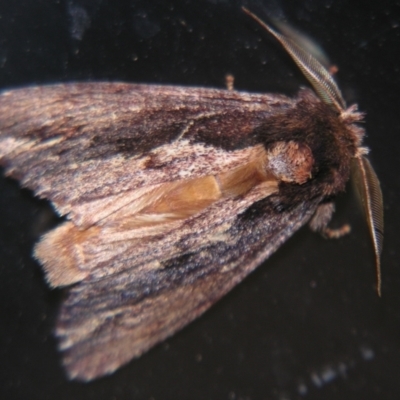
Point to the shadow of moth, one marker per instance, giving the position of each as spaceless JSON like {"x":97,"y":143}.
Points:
{"x":173,"y":195}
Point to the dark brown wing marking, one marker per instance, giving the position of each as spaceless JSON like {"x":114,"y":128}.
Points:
{"x":57,"y":144}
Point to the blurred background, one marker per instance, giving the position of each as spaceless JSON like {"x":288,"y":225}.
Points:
{"x":307,"y":323}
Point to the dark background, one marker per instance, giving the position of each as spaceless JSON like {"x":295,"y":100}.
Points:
{"x":306,"y":324}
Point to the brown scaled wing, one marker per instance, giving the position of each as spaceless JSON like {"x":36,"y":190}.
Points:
{"x":90,"y":149}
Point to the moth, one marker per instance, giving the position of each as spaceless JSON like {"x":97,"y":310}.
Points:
{"x":172,"y":195}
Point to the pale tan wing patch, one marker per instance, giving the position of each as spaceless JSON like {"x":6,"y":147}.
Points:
{"x":155,"y":233}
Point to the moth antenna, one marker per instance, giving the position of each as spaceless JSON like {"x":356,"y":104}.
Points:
{"x":370,"y":194}
{"x":313,"y":70}
{"x":304,"y":41}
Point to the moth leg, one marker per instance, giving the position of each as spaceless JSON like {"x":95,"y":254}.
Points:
{"x":320,"y":220}
{"x":229,"y":81}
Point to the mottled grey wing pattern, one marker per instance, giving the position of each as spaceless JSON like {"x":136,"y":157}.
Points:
{"x":92,"y":147}
{"x":56,"y":139}
{"x":102,"y":328}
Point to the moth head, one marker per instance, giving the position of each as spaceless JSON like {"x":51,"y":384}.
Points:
{"x":364,"y":176}
{"x":290,"y":161}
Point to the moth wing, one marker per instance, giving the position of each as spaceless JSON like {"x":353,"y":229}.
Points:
{"x":92,"y":148}
{"x":105,"y":323}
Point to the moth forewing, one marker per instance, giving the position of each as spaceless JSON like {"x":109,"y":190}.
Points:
{"x":173,"y":195}
{"x":162,"y":210}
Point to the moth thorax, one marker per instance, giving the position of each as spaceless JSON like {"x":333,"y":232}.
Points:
{"x":290,"y":161}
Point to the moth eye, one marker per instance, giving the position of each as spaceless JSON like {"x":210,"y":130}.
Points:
{"x":290,"y":161}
